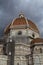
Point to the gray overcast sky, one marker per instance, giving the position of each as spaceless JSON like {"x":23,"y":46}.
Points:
{"x":33,"y":9}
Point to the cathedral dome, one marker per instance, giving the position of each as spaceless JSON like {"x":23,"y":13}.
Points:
{"x":21,"y":22}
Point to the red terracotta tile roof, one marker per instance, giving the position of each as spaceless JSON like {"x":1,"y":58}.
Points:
{"x":19,"y":21}
{"x":33,"y":26}
{"x":37,"y":40}
{"x":22,"y":21}
{"x":7,"y":29}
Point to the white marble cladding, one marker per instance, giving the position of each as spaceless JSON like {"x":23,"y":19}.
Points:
{"x":30,"y":32}
{"x":22,"y":49}
{"x":15,"y":32}
{"x":36,"y":35}
{"x":37,"y":49}
{"x":21,"y":60}
{"x":22,"y":40}
{"x":38,"y":54}
{"x":38,"y":59}
{"x":25,"y":32}
{"x":3,"y":60}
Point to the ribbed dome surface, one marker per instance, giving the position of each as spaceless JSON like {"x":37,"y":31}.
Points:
{"x":22,"y":21}
{"x":33,"y":26}
{"x":19,"y":21}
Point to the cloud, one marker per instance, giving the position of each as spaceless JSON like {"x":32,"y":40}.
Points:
{"x":33,"y":9}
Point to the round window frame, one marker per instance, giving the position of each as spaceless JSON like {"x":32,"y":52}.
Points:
{"x":19,"y":33}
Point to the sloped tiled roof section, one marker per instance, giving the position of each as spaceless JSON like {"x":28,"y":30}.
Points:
{"x":37,"y":40}
{"x":33,"y":26}
{"x":7,"y":29}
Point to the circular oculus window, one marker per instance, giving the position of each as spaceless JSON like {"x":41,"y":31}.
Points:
{"x":19,"y":32}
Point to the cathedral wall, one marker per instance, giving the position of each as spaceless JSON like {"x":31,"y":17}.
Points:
{"x":31,"y":32}
{"x":36,"y":35}
{"x":15,"y":32}
{"x":24,"y":32}
{"x":38,"y":49}
{"x":22,"y":49}
{"x":38,"y":55}
{"x":3,"y":60}
{"x":21,"y":60}
{"x":1,"y":49}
